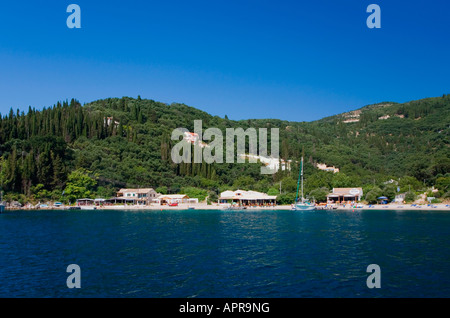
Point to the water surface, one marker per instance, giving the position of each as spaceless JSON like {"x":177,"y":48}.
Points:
{"x":211,"y":253}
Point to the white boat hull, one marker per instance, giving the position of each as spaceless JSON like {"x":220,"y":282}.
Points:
{"x":299,"y":207}
{"x":88,"y":208}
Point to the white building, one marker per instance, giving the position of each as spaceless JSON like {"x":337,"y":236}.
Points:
{"x":193,"y":138}
{"x":324,"y":167}
{"x":175,"y":198}
{"x":269,"y":162}
{"x":190,"y":137}
{"x":246,"y":198}
{"x":142,"y":196}
{"x":345,"y":195}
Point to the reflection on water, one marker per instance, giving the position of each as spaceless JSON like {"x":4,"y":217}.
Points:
{"x":224,"y":254}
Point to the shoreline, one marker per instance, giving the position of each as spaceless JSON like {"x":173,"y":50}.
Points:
{"x":204,"y":206}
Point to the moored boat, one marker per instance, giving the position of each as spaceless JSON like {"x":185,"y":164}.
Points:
{"x":302,"y":204}
{"x":72,"y":208}
{"x":88,"y":207}
{"x":236,"y":207}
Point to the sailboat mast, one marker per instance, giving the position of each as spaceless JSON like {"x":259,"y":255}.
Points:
{"x":302,"y":178}
{"x":298,"y":184}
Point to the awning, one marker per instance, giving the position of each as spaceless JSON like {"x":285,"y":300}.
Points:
{"x":121,"y":198}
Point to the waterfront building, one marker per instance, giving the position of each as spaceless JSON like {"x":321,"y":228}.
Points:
{"x":137,"y":196}
{"x":342,"y":195}
{"x":175,"y":198}
{"x":85,"y":202}
{"x":247,"y":198}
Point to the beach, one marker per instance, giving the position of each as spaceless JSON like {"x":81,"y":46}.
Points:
{"x":347,"y":207}
{"x":205,"y":206}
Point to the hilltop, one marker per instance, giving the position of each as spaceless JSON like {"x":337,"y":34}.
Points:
{"x":126,"y":141}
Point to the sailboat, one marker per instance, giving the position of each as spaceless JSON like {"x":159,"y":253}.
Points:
{"x":301,"y":204}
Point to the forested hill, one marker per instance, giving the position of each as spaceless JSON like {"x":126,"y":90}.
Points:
{"x":126,"y":142}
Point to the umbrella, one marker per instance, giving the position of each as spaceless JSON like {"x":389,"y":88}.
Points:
{"x":382,"y":198}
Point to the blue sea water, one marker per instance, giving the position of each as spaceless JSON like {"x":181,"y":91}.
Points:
{"x":224,"y":253}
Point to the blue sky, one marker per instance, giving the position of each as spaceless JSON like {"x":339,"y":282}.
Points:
{"x":294,"y":60}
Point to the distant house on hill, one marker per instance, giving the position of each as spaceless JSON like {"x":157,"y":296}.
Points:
{"x":351,"y":117}
{"x":193,"y":138}
{"x":272,"y":163}
{"x":324,"y":167}
{"x":108,"y":121}
{"x":190,"y":137}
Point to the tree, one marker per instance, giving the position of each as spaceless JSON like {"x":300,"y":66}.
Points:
{"x":80,"y":184}
{"x":410,"y":196}
{"x":162,"y":190}
{"x":39,"y":192}
{"x":120,"y":129}
{"x":319,"y":194}
{"x":3,"y":170}
{"x":373,"y":194}
{"x":244,"y":183}
{"x":285,"y":199}
{"x":443,"y":184}
{"x":407,"y":182}
{"x":212,"y":197}
{"x":390,"y":191}
{"x":341,"y":180}
{"x":288,"y":185}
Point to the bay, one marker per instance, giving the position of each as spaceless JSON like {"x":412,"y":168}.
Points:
{"x":209,"y":253}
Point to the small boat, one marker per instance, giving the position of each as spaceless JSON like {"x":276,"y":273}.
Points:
{"x":58,"y":205}
{"x":88,"y":207}
{"x":173,"y":204}
{"x":191,"y":208}
{"x":236,"y":207}
{"x":73,"y":208}
{"x":302,"y":204}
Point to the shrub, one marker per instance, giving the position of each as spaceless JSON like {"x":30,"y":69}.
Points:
{"x":410,"y":196}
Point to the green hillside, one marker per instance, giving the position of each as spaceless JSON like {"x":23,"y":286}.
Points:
{"x":94,"y":149}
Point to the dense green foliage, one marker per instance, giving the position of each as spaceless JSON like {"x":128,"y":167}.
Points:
{"x":92,"y":150}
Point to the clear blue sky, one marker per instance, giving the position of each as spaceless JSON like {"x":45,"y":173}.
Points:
{"x":295,"y":60}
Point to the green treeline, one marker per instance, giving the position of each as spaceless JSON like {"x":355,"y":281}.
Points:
{"x":125,"y":142}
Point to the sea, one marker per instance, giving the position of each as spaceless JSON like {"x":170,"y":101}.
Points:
{"x":225,"y":254}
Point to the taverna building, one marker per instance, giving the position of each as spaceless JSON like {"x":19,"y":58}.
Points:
{"x":342,"y":195}
{"x":137,"y":196}
{"x":247,"y":198}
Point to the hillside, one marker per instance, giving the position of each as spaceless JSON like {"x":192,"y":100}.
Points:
{"x":126,"y":142}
